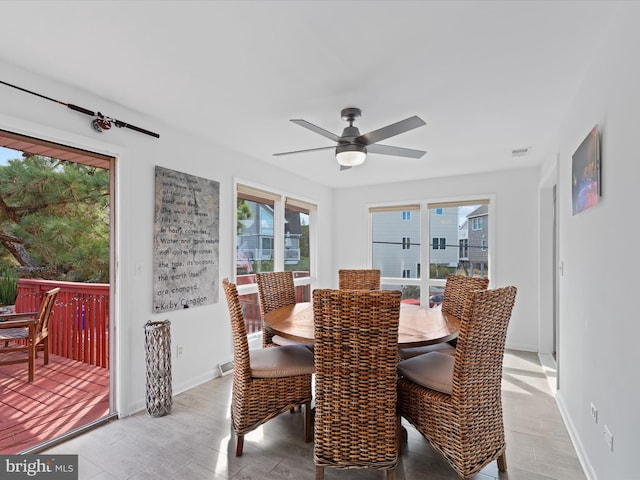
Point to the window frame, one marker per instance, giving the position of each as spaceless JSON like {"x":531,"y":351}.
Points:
{"x":426,"y":284}
{"x":280,"y":201}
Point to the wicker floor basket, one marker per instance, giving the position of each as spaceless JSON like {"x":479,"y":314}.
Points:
{"x":158,"y":358}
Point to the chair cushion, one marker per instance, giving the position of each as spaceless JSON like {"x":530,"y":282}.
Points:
{"x":284,"y":361}
{"x":14,"y":333}
{"x":406,"y":353}
{"x":278,"y":340}
{"x":432,"y":370}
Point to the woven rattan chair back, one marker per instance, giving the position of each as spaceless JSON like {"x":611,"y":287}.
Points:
{"x":275,"y":290}
{"x":480,"y":349}
{"x":241,"y":361}
{"x":356,"y":353}
{"x":254,"y":401}
{"x":467,"y":426}
{"x":359,"y":279}
{"x":456,"y":290}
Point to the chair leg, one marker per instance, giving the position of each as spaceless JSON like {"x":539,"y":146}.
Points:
{"x":46,"y":351}
{"x":308,"y":415}
{"x":319,"y":473}
{"x":32,"y":360}
{"x":239,"y":445}
{"x":502,"y":462}
{"x":391,"y":473}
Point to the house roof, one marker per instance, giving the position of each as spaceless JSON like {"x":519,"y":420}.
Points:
{"x":480,"y":211}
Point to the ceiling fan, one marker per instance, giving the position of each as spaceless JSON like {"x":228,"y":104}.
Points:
{"x":352,"y":147}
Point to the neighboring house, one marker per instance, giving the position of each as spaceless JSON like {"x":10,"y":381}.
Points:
{"x":255,"y":240}
{"x":396,"y":243}
{"x":292,"y":236}
{"x":478,"y":232}
{"x":463,"y":242}
{"x":443,"y":230}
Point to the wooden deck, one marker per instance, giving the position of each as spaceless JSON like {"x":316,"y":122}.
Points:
{"x":64,"y":395}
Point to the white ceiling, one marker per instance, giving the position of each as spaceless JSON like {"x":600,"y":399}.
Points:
{"x":487,"y":76}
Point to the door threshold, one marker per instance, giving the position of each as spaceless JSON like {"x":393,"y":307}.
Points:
{"x":549,"y":366}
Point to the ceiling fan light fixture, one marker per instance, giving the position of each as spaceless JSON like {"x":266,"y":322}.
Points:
{"x":351,"y":155}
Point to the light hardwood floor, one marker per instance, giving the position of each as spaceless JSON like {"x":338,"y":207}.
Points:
{"x":195,"y":441}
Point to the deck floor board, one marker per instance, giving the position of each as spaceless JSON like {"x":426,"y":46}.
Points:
{"x":64,"y":395}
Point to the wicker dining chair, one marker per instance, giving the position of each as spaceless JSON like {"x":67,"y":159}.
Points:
{"x":358,"y":279}
{"x":456,"y":289}
{"x":275,"y":290}
{"x":455,"y":401}
{"x":356,"y":422}
{"x":27,"y":332}
{"x":266,"y":382}
{"x":455,"y":293}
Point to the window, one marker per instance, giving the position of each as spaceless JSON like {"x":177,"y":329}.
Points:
{"x":464,"y":247}
{"x":297,"y":217}
{"x":459,"y":244}
{"x":393,"y":234}
{"x":467,"y":255}
{"x":272,"y":233}
{"x":254,"y":227}
{"x":266,"y":249}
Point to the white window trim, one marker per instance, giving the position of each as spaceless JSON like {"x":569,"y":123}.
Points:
{"x":424,"y":282}
{"x":280,"y":197}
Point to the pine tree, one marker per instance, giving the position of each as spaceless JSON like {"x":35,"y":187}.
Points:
{"x":54,"y":219}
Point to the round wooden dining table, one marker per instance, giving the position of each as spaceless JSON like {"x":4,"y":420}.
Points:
{"x":418,"y":326}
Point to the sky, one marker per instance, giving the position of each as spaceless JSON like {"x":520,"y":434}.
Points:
{"x":8,"y":154}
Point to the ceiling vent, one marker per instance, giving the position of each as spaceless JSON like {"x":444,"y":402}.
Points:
{"x":520,"y":152}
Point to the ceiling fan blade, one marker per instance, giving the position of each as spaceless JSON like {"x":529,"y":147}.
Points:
{"x":303,"y":151}
{"x":390,"y":130}
{"x":316,"y":129}
{"x":397,"y":151}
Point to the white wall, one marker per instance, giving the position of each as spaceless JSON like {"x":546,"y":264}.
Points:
{"x":204,"y":331}
{"x":516,"y":241}
{"x":598,"y":318}
{"x":598,"y":354}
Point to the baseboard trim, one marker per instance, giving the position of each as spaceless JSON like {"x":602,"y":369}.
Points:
{"x":583,"y":458}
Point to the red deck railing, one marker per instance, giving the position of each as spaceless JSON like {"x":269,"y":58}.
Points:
{"x":79,"y":325}
{"x":251,"y":304}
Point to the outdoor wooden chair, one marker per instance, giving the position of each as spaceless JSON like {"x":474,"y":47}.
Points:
{"x":455,"y":402}
{"x":267,"y":381}
{"x":28,"y":333}
{"x":275,"y":290}
{"x":356,"y":358}
{"x":454,"y":296}
{"x":359,"y":279}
